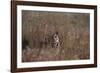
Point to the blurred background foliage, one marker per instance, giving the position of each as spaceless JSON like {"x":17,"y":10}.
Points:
{"x":73,"y":29}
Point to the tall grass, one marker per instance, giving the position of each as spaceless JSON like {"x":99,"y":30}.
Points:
{"x":73,"y":28}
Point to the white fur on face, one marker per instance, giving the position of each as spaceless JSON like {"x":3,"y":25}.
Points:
{"x":56,"y":40}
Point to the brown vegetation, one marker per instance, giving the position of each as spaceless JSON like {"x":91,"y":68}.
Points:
{"x":38,"y":28}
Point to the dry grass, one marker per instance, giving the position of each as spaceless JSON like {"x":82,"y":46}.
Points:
{"x":73,"y":29}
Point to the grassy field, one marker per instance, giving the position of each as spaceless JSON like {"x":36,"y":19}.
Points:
{"x":39,"y":26}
